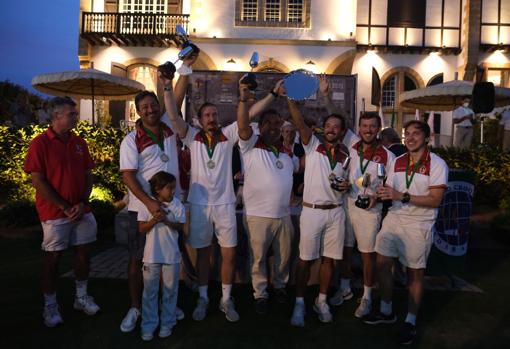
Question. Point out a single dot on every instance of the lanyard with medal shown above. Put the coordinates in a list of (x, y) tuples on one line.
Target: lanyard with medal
[(210, 144), (363, 167), (415, 167), (159, 142), (276, 153)]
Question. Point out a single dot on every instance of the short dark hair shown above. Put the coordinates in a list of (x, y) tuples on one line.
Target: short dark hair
[(142, 95), (420, 125), (57, 102), (267, 113), (389, 135), (336, 116), (159, 180), (370, 115), (203, 106)]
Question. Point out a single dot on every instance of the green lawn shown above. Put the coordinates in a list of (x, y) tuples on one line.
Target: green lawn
[(447, 319)]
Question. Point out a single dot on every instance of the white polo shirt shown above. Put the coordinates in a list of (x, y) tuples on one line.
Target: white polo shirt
[(211, 185), (432, 173), (371, 158), (139, 152), (459, 113), (267, 187), (161, 244), (317, 189)]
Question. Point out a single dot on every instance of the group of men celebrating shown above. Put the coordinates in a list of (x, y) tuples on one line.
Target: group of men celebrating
[(331, 221)]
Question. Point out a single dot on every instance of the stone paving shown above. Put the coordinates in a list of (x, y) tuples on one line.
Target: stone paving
[(112, 264)]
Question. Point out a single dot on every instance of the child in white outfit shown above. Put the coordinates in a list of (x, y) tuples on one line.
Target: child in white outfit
[(161, 257)]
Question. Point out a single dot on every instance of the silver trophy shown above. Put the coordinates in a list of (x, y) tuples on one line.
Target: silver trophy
[(381, 173), (187, 49), (334, 180), (363, 201), (250, 78)]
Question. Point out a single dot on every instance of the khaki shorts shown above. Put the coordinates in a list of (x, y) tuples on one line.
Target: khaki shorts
[(365, 225), (406, 238), (59, 234), (206, 220), (322, 233)]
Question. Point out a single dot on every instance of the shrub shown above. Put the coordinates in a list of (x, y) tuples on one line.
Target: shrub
[(19, 213)]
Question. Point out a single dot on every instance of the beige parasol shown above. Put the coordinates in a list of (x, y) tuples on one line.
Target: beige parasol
[(89, 84), (447, 96)]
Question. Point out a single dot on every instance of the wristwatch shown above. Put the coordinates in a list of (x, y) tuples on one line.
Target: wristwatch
[(406, 197)]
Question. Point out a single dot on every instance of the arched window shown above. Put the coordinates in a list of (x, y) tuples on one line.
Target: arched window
[(395, 82), (436, 80), (146, 74)]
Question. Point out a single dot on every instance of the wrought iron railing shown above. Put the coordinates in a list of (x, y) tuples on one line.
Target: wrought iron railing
[(131, 23)]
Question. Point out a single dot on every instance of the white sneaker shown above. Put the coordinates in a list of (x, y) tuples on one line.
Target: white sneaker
[(364, 308), (128, 324), (298, 315), (51, 315), (179, 314), (147, 336), (86, 304), (201, 309), (229, 309), (340, 296), (165, 331), (322, 310)]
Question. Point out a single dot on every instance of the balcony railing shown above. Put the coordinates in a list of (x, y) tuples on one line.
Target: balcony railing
[(102, 28)]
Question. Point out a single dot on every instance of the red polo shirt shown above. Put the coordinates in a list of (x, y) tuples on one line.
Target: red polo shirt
[(64, 164)]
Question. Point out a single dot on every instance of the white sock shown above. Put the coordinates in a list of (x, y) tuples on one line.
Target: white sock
[(411, 318), (386, 307), (345, 284), (322, 298), (300, 300), (202, 291), (225, 292), (81, 288), (367, 293), (50, 299)]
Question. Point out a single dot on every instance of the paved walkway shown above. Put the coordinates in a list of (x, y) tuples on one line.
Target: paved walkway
[(112, 264)]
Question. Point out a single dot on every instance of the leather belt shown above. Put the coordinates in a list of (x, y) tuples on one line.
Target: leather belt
[(321, 207)]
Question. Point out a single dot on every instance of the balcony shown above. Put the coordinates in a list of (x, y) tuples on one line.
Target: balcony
[(131, 29)]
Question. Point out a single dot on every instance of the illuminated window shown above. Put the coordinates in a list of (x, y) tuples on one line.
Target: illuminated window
[(249, 11), (272, 10), (388, 91), (295, 11), (147, 75)]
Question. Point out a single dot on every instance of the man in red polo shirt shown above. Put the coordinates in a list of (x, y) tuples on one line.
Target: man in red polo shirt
[(60, 165)]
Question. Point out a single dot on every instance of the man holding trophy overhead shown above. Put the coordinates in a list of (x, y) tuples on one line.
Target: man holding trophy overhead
[(367, 156), (322, 220)]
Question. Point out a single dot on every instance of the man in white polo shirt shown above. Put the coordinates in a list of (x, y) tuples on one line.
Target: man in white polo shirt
[(416, 183), (268, 170), (322, 221), (363, 209), (148, 149), (211, 196), (463, 118)]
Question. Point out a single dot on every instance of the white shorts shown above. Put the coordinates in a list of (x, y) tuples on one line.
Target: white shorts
[(365, 225), (206, 219), (322, 233), (59, 234), (407, 238)]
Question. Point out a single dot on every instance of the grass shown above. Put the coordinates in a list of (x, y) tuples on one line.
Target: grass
[(447, 319)]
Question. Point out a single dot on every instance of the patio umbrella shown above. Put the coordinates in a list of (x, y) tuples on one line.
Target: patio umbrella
[(89, 84), (447, 96)]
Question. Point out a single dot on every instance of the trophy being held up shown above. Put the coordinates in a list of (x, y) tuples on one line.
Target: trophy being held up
[(250, 78), (188, 50), (336, 183)]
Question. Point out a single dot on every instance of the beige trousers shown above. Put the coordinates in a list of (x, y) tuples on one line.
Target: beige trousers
[(463, 137), (265, 234)]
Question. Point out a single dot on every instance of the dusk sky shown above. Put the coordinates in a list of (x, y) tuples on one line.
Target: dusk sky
[(38, 36)]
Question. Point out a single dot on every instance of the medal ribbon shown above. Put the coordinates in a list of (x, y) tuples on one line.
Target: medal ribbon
[(415, 167), (331, 157), (210, 144), (156, 140), (274, 150), (362, 167)]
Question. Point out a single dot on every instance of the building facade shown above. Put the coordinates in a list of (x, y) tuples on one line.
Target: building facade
[(410, 44)]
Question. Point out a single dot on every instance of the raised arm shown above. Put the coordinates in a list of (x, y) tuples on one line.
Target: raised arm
[(305, 132), (177, 122), (328, 102), (182, 83), (243, 120), (261, 105)]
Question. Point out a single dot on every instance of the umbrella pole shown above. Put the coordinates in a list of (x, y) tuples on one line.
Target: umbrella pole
[(93, 104)]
